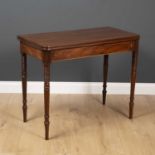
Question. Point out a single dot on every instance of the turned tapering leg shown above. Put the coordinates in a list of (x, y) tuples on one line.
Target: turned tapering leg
[(46, 97), (133, 79), (24, 84), (105, 75)]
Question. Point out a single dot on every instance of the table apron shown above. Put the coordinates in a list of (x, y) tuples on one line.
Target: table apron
[(31, 51), (80, 52)]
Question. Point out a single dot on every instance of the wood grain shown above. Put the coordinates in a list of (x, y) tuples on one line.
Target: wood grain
[(80, 126), (76, 38), (81, 52), (31, 51)]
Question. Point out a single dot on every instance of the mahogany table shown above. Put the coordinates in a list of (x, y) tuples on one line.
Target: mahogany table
[(55, 46)]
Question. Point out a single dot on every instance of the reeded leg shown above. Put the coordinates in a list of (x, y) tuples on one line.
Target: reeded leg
[(46, 97), (24, 84), (133, 80), (105, 75)]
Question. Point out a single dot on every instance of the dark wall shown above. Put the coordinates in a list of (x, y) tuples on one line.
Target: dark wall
[(32, 16)]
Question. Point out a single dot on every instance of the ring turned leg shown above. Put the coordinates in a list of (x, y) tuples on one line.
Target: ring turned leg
[(105, 75), (24, 85), (46, 97), (133, 80)]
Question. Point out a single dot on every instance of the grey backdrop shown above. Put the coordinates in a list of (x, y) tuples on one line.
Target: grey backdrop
[(32, 16)]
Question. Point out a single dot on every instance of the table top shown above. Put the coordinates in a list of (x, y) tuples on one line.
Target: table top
[(76, 38)]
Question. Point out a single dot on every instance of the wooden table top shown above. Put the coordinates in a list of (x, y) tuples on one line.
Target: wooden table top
[(76, 38)]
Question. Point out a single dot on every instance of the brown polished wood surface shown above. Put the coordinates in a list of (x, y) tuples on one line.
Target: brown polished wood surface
[(76, 38), (75, 44)]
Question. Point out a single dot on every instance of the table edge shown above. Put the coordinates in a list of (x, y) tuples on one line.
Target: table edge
[(49, 48)]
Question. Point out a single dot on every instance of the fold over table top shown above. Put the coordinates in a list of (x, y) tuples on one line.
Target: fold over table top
[(76, 38)]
